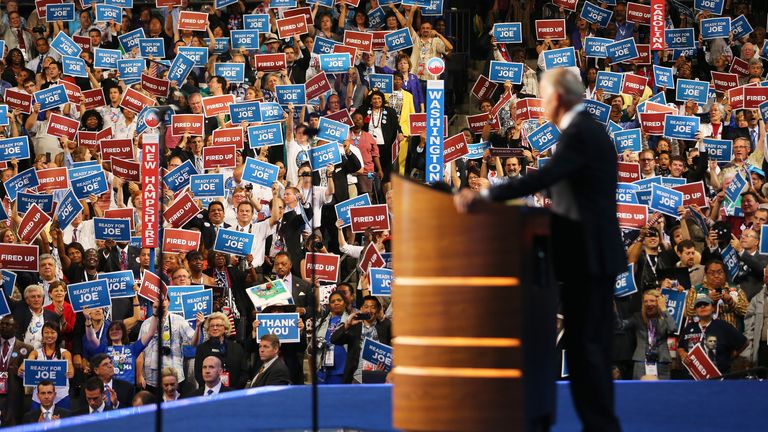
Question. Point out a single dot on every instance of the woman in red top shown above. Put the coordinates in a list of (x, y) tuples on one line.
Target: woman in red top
[(58, 291)]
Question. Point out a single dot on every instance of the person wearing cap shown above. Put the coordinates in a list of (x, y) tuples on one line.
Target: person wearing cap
[(271, 43), (729, 301), (730, 342)]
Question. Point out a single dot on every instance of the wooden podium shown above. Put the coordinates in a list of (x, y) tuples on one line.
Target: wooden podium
[(474, 314)]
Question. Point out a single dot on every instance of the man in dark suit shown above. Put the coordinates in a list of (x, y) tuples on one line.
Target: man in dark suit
[(118, 256), (292, 225), (212, 385), (231, 283), (102, 367), (351, 335), (30, 312), (209, 228), (587, 247), (301, 290), (48, 411), (273, 370), (95, 397), (13, 351)]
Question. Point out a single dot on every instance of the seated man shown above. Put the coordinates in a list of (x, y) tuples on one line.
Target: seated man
[(95, 397), (119, 392), (273, 370), (212, 385), (48, 411)]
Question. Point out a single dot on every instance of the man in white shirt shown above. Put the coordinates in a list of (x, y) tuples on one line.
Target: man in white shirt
[(212, 368), (260, 230), (48, 411), (80, 231)]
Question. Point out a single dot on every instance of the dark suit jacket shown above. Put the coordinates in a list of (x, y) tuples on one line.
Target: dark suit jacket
[(85, 410), (23, 316), (34, 415), (111, 263), (14, 411), (277, 374), (234, 361), (200, 390), (352, 338), (244, 305), (124, 392), (208, 233), (291, 228), (301, 291), (583, 172)]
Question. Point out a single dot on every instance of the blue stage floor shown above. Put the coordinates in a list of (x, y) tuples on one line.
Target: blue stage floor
[(673, 406)]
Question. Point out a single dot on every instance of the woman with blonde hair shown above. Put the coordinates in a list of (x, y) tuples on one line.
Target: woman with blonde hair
[(652, 325), (218, 328)]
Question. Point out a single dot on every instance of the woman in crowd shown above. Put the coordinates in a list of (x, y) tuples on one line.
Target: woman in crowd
[(652, 325), (52, 350), (331, 358), (233, 360), (117, 346)]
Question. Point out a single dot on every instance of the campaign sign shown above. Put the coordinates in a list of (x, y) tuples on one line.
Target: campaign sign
[(258, 22), (20, 257), (621, 51), (260, 173), (271, 112), (724, 81), (215, 105), (221, 156), (68, 209), (86, 169), (476, 150), (181, 210), (119, 284), (633, 216), (36, 371), (244, 112), (699, 365), (377, 354), (697, 91), (198, 54), (130, 69), (375, 217), (598, 110), (65, 45), (595, 14), (731, 259), (322, 156), (323, 267), (105, 58), (673, 181), (51, 179), (719, 150), (681, 127), (74, 66), (342, 208), (194, 124), (197, 302), (232, 72), (714, 6), (269, 293), (680, 38), (754, 96), (662, 76), (21, 181), (625, 283), (561, 57), (484, 88), (713, 28), (207, 185), (501, 71), (247, 39), (17, 147), (62, 126), (270, 62), (675, 302), (380, 281), (178, 178), (112, 229), (91, 294), (550, 29), (331, 130), (233, 242), (19, 100), (609, 82), (454, 147), (763, 107), (283, 325), (335, 62), (93, 98), (634, 84), (60, 12), (135, 100), (383, 82), (291, 94), (154, 47), (180, 68), (9, 280), (362, 41), (398, 40), (227, 137), (52, 97), (740, 27), (625, 193), (265, 135), (665, 200), (628, 139), (105, 13), (120, 148), (508, 32), (376, 18), (595, 46), (736, 187), (129, 41), (26, 199), (544, 137), (652, 123), (179, 240), (693, 193)]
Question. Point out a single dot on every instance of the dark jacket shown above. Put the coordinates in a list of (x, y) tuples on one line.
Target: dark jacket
[(233, 360), (276, 374), (124, 391), (14, 405), (352, 338), (34, 415), (201, 390), (23, 316)]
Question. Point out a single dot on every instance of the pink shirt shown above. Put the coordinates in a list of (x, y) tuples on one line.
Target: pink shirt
[(367, 146)]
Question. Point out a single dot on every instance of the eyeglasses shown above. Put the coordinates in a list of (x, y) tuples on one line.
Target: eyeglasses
[(646, 159)]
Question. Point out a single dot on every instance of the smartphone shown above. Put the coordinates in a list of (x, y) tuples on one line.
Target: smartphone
[(363, 316)]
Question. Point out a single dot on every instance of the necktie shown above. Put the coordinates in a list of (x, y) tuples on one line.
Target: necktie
[(40, 63), (108, 402), (6, 348), (209, 392), (20, 37), (123, 260), (754, 137), (47, 415), (261, 370), (74, 235)]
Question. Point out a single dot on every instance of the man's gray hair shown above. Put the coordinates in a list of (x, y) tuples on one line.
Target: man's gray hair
[(30, 288), (565, 83), (44, 257)]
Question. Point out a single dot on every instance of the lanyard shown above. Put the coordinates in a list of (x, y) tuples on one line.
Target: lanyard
[(650, 263), (651, 333)]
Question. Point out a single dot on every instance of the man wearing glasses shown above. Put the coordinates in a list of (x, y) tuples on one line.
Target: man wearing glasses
[(729, 303), (647, 164)]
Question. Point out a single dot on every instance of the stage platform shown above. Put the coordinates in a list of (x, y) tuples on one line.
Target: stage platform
[(642, 406)]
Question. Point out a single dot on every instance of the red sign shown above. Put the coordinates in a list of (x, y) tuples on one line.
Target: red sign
[(658, 23), (93, 98), (375, 217), (643, 54), (227, 137), (484, 88), (628, 172), (84, 42), (156, 86), (119, 148), (476, 122), (91, 139), (693, 193), (699, 365), (183, 123), (736, 98), (634, 84), (659, 108), (363, 41), (74, 94), (179, 240), (19, 257), (341, 116), (151, 286), (417, 123), (150, 180), (19, 100), (724, 81), (121, 213), (41, 4), (739, 67), (652, 123), (135, 101), (127, 170), (61, 126), (632, 216), (455, 147), (194, 21), (352, 51), (529, 108), (295, 25), (306, 11), (504, 100), (379, 39), (215, 105), (181, 211), (639, 13), (220, 156), (754, 96), (166, 3), (550, 29), (270, 62), (566, 4), (371, 258), (325, 267), (316, 86), (32, 223), (52, 179)]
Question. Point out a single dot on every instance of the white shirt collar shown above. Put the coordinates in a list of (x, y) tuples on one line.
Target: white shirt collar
[(99, 409), (216, 389), (268, 364), (43, 410), (568, 117)]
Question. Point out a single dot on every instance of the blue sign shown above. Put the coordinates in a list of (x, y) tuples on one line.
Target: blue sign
[(234, 242), (180, 68), (198, 54), (736, 187), (714, 6), (174, 296), (283, 325), (377, 354), (665, 200), (679, 38), (683, 52), (322, 156), (673, 181), (271, 112), (94, 184), (381, 281), (731, 261), (476, 150), (17, 147), (105, 58), (335, 62), (625, 193), (52, 97), (398, 40), (595, 46), (763, 107), (79, 171), (9, 280), (26, 199), (376, 18), (323, 45), (130, 40), (625, 283), (232, 72), (291, 93), (681, 127), (609, 82), (501, 72), (21, 181), (178, 178), (435, 8), (207, 185), (719, 150), (3, 115), (663, 76), (91, 294), (112, 229), (342, 208), (60, 12), (260, 173), (435, 132), (45, 370), (659, 98), (697, 91), (245, 111), (544, 137), (104, 13), (197, 302), (383, 82), (599, 110), (621, 51), (595, 14), (258, 22), (675, 302), (740, 27), (643, 196), (712, 28), (130, 68), (219, 4), (628, 139), (65, 45), (220, 45), (247, 39), (283, 3), (154, 47), (68, 209), (508, 32), (119, 283), (265, 135), (73, 66), (561, 57), (331, 130)]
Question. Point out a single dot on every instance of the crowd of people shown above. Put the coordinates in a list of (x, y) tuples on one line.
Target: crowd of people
[(111, 352)]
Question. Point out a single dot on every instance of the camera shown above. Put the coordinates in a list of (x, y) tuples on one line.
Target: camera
[(363, 316), (317, 245), (165, 350), (249, 186), (38, 29), (723, 232)]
